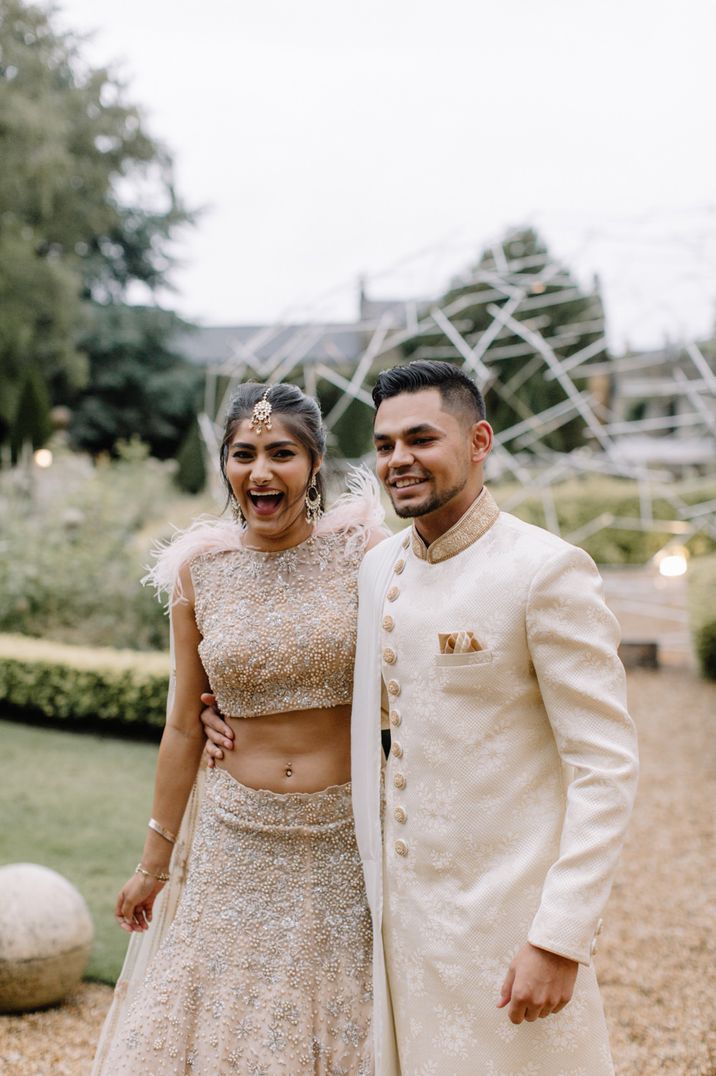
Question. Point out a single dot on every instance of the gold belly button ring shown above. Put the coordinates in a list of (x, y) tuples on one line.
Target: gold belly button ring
[(289, 769)]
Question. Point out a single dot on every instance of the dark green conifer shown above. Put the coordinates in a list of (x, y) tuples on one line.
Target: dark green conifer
[(191, 474), (32, 424)]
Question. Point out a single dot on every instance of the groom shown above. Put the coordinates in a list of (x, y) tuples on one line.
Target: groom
[(487, 645), (513, 763)]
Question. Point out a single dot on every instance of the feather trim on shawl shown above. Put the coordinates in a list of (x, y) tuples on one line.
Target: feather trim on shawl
[(357, 513)]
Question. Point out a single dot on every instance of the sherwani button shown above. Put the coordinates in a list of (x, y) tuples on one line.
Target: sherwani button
[(389, 656), (399, 780), (600, 927), (396, 750), (401, 848), (393, 687), (593, 947), (388, 623), (406, 541), (393, 594), (398, 566), (395, 718), (400, 814)]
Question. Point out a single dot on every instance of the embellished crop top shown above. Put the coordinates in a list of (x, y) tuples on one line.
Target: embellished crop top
[(278, 628)]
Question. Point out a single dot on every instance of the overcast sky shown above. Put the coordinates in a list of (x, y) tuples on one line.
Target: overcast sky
[(394, 138)]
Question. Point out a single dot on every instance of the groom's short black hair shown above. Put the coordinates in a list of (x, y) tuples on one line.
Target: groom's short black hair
[(459, 392)]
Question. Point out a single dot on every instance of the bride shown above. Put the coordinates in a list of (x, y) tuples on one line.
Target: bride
[(265, 965)]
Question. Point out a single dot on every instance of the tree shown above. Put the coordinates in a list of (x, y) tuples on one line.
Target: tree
[(352, 434), (87, 200), (139, 386), (553, 304), (191, 473)]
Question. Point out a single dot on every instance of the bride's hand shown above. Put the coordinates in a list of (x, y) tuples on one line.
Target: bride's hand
[(133, 910)]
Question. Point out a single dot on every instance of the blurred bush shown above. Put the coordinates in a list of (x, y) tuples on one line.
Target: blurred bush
[(71, 683), (702, 612), (580, 501), (74, 541)]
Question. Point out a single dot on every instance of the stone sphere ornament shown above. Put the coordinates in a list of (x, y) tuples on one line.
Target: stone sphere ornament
[(46, 934)]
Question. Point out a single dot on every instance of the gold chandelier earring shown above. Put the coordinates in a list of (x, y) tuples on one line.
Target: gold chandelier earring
[(236, 511), (313, 502)]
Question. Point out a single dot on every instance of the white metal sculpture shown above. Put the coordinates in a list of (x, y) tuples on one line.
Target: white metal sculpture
[(515, 292)]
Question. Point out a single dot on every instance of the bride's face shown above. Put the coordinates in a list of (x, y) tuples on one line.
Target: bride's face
[(269, 473)]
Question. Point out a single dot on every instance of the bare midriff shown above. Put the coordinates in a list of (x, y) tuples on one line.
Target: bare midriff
[(300, 751)]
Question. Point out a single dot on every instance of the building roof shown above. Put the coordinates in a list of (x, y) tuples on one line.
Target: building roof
[(261, 346)]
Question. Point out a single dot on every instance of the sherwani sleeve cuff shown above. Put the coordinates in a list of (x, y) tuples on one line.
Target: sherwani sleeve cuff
[(581, 949)]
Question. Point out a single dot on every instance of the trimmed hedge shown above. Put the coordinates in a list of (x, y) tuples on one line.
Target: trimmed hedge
[(702, 612), (111, 688)]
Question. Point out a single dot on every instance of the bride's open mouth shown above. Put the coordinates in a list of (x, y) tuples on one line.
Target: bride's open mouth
[(265, 504)]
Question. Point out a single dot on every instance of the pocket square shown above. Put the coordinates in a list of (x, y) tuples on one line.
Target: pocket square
[(458, 642)]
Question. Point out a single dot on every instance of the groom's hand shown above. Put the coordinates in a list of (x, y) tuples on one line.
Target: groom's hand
[(538, 983), (219, 735)]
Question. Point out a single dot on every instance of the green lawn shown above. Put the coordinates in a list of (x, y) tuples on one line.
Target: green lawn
[(77, 803)]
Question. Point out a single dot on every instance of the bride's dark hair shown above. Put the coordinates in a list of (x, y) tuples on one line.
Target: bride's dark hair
[(301, 414)]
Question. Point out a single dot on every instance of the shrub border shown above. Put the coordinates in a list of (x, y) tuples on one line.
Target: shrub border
[(118, 690)]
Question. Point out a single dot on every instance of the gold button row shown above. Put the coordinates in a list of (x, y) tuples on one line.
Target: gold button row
[(399, 566), (400, 815), (395, 718), (389, 656), (396, 749), (401, 848), (388, 623), (393, 688), (393, 593), (399, 780)]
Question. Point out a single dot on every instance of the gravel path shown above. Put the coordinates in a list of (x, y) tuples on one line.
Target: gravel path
[(57, 1042), (657, 963)]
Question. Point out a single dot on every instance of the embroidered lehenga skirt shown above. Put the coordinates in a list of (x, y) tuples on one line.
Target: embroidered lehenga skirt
[(266, 967)]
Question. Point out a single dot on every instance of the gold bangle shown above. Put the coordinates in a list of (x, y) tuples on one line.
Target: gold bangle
[(165, 833), (161, 877)]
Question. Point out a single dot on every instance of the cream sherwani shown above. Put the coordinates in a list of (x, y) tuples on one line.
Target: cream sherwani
[(507, 793)]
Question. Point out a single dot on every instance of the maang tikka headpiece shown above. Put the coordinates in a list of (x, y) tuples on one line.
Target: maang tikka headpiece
[(261, 414)]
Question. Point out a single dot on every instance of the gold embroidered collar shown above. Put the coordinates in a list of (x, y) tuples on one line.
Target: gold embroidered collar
[(477, 521)]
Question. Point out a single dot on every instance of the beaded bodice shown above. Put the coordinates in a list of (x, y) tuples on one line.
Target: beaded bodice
[(278, 629)]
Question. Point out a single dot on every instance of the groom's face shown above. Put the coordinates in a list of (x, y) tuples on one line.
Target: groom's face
[(424, 453)]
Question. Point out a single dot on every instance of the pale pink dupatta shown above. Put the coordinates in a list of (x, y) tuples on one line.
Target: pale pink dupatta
[(142, 947)]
